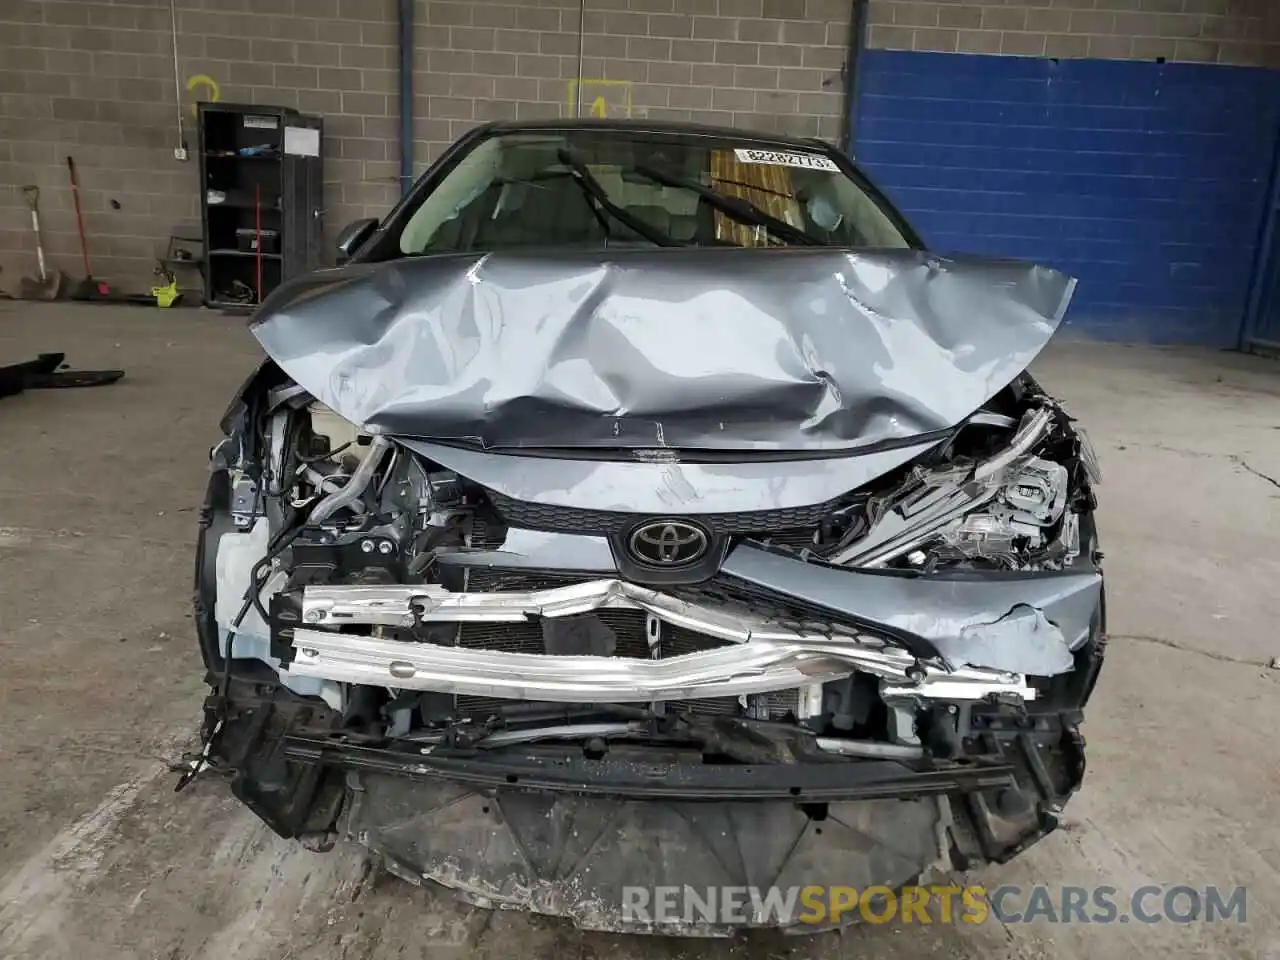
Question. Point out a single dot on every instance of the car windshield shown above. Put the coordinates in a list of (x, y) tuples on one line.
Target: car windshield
[(606, 188)]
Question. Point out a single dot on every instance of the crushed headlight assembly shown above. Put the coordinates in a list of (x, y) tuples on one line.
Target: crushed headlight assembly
[(1018, 508), (931, 501)]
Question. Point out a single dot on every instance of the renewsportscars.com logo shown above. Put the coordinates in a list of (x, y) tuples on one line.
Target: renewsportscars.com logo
[(823, 905)]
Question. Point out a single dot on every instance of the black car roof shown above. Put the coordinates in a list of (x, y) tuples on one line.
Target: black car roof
[(660, 126)]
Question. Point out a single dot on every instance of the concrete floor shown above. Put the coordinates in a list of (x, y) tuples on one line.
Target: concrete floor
[(100, 681)]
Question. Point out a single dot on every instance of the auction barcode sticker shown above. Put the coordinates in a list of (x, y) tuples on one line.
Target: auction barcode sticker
[(782, 158)]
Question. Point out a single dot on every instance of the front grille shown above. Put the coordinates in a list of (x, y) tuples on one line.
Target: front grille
[(730, 592), (776, 705), (627, 627), (495, 579), (709, 707), (541, 516)]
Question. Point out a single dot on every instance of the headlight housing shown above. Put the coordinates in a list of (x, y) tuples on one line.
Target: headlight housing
[(1011, 508)]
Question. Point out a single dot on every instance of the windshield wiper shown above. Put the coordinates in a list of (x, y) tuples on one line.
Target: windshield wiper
[(744, 211), (591, 187), (757, 187)]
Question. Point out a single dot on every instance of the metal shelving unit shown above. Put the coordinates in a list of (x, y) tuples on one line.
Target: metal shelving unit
[(261, 181)]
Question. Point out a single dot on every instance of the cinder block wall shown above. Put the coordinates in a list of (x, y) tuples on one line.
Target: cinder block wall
[(1241, 32), (96, 80)]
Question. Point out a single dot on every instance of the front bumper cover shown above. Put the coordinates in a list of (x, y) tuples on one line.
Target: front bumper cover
[(575, 857), (543, 832), (542, 828)]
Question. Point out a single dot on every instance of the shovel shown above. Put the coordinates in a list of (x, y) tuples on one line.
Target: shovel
[(88, 288), (48, 286)]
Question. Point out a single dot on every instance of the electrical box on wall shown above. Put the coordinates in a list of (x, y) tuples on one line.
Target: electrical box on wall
[(262, 182)]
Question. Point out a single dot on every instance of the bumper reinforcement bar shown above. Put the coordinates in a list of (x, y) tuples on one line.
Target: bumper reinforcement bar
[(632, 780), (759, 666)]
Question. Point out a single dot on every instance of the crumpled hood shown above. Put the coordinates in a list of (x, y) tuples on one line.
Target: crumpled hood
[(716, 349)]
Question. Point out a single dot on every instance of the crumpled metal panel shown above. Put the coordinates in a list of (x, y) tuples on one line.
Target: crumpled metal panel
[(797, 349), (1023, 641), (1027, 624)]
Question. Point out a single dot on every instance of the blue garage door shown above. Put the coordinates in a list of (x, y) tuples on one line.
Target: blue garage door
[(1150, 182), (1262, 326)]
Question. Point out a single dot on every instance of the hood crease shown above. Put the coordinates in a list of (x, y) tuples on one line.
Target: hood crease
[(710, 349)]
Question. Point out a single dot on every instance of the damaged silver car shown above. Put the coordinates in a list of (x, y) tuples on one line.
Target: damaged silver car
[(641, 506)]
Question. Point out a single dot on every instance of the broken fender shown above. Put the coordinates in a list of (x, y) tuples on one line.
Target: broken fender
[(977, 620)]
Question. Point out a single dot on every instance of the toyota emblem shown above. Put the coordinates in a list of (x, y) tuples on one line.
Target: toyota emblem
[(668, 543)]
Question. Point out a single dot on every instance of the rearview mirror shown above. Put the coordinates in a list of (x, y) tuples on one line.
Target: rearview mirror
[(352, 236)]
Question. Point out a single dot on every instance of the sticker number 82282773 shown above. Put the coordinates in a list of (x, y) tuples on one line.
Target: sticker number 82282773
[(809, 161)]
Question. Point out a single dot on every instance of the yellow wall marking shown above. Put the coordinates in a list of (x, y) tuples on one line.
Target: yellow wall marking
[(206, 81), (606, 98)]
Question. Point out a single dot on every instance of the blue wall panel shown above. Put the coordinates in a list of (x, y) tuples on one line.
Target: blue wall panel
[(1147, 181)]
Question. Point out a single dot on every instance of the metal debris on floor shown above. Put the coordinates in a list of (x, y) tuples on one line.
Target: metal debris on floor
[(44, 373)]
